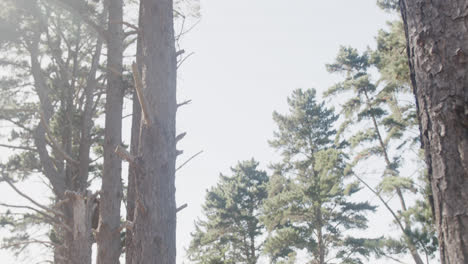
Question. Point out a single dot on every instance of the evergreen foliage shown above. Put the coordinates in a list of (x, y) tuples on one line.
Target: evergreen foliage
[(50, 90), (231, 231), (309, 206), (387, 112)]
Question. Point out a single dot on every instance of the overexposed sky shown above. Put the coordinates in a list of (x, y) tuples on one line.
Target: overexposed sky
[(249, 56)]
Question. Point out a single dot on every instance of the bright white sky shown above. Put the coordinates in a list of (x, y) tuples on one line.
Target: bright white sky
[(249, 56)]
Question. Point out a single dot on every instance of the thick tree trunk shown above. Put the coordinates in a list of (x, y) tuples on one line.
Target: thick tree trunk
[(155, 217), (108, 235), (437, 35), (82, 207)]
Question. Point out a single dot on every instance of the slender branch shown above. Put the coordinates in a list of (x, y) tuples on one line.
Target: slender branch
[(184, 59), (18, 147), (187, 161), (33, 241), (32, 209), (410, 245), (184, 103), (7, 180)]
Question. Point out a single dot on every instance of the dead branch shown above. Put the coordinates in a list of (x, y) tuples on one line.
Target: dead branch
[(139, 91), (187, 161), (180, 136), (180, 52), (184, 59), (180, 208), (184, 103)]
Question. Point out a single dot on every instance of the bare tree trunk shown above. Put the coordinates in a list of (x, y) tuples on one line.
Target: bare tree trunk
[(82, 207), (108, 235), (437, 36), (154, 239), (135, 138)]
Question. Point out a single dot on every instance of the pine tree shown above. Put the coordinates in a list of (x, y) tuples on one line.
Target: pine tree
[(391, 61), (230, 233), (308, 205), (51, 96), (386, 122)]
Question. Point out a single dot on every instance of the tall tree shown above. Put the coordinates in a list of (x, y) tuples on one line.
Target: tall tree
[(308, 203), (154, 222), (108, 233), (392, 63), (377, 109), (437, 41), (134, 141), (57, 83), (232, 229)]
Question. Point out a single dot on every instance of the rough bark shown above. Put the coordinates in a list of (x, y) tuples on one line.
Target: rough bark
[(135, 138), (82, 207), (155, 213), (437, 39), (108, 235)]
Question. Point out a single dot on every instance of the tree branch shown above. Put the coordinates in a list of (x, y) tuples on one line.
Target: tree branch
[(184, 103), (187, 161), (18, 147), (45, 208), (180, 208)]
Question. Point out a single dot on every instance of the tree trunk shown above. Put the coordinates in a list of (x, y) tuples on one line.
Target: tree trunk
[(135, 137), (108, 235), (82, 207), (154, 237), (437, 39)]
